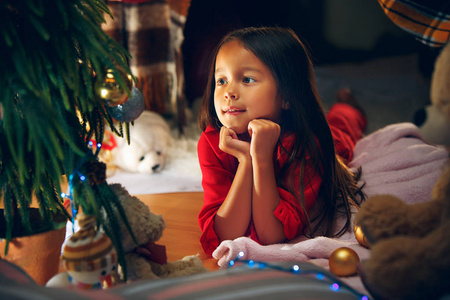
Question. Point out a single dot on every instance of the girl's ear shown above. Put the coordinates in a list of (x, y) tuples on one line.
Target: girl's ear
[(285, 105)]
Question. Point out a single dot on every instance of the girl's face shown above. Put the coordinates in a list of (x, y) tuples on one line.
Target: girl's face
[(245, 88)]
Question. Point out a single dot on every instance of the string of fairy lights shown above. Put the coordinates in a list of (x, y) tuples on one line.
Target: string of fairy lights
[(77, 174), (295, 269)]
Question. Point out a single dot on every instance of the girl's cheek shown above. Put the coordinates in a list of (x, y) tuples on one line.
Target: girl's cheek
[(216, 95)]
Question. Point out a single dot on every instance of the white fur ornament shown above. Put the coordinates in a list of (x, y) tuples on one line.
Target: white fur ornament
[(150, 139)]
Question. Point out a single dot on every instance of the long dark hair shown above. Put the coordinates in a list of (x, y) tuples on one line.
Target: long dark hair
[(286, 56)]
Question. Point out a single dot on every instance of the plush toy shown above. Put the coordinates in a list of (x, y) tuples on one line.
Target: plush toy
[(147, 260), (410, 244), (88, 257), (150, 139)]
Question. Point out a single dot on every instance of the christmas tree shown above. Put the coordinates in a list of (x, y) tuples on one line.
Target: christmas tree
[(54, 53)]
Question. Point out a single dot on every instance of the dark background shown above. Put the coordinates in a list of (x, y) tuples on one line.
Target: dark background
[(336, 31)]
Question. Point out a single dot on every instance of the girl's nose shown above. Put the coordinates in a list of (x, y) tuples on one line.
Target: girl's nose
[(231, 94)]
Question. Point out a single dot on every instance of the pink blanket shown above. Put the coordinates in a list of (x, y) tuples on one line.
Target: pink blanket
[(394, 160)]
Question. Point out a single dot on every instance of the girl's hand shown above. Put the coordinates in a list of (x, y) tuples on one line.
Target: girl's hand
[(230, 143), (264, 136)]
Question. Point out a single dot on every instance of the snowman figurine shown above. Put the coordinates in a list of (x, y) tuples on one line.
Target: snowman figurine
[(88, 257)]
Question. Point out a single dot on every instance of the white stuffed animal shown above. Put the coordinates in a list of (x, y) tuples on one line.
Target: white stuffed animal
[(150, 139)]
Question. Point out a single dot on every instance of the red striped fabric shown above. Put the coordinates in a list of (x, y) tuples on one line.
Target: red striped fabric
[(428, 21)]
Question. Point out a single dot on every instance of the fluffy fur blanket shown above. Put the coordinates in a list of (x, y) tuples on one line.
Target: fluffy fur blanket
[(394, 160)]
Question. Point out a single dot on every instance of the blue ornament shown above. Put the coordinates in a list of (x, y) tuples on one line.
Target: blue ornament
[(131, 109)]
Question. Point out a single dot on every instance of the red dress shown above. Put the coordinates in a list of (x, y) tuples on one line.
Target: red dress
[(218, 170)]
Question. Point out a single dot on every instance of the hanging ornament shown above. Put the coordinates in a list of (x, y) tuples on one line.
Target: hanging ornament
[(344, 262), (359, 235), (88, 256), (110, 90), (129, 110)]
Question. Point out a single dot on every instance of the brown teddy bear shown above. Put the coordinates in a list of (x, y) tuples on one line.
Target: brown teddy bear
[(147, 260), (410, 244)]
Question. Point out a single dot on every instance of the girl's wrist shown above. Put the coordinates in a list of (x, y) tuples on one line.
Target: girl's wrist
[(245, 160), (262, 163)]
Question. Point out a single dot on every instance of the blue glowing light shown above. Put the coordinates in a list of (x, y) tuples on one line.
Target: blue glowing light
[(99, 145), (335, 287), (296, 270), (82, 178), (90, 143)]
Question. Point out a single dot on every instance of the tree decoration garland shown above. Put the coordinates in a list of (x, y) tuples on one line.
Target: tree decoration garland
[(335, 285), (92, 179)]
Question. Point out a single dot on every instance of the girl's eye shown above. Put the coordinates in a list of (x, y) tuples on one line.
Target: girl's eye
[(220, 81), (248, 80)]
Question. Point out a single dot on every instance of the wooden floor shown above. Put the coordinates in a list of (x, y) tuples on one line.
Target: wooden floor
[(181, 237)]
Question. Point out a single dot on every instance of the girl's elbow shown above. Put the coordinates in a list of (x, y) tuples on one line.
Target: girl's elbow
[(271, 240)]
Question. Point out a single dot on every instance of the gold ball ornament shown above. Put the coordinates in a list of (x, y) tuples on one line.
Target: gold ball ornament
[(360, 237), (110, 90), (344, 261)]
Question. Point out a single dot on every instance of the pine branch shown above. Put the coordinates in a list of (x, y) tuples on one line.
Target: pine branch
[(53, 51)]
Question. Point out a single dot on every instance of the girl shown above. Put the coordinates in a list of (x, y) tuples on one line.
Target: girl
[(267, 151)]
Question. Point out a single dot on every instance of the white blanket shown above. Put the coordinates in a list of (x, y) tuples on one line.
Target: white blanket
[(394, 160)]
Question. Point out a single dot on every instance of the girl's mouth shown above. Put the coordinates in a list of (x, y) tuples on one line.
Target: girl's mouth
[(232, 110)]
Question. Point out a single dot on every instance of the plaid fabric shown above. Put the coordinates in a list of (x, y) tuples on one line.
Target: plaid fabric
[(427, 20), (152, 33)]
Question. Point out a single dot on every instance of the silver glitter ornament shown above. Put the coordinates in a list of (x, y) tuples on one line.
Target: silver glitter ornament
[(131, 109)]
